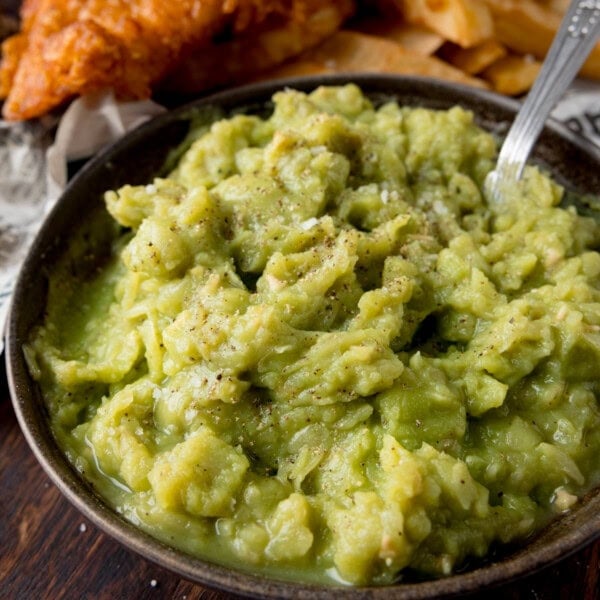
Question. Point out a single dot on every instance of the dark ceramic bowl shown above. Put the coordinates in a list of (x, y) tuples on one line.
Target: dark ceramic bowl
[(139, 156)]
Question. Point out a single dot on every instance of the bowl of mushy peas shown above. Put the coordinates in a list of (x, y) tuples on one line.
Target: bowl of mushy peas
[(278, 341)]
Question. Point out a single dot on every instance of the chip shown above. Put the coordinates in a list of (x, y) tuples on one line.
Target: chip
[(351, 52)]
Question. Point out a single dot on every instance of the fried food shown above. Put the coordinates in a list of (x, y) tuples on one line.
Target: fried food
[(501, 41), (350, 52), (258, 49), (70, 47), (464, 22), (512, 75), (415, 38), (528, 27), (474, 60)]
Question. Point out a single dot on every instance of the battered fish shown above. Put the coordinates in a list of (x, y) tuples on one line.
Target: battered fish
[(71, 47), (257, 50)]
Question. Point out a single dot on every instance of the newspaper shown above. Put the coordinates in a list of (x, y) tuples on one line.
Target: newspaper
[(34, 158)]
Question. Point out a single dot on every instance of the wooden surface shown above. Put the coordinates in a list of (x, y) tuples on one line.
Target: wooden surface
[(48, 550)]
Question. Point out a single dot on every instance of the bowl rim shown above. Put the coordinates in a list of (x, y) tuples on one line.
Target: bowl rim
[(204, 572)]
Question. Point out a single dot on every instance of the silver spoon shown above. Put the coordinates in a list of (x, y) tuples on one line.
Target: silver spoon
[(574, 41)]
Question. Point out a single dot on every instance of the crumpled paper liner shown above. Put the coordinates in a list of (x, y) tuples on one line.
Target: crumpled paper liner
[(33, 170), (33, 163)]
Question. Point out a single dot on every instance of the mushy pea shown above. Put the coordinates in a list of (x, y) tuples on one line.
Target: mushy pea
[(315, 352)]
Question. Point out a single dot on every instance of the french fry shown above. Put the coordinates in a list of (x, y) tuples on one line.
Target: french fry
[(512, 75), (528, 27), (349, 52), (476, 59), (464, 22), (414, 38)]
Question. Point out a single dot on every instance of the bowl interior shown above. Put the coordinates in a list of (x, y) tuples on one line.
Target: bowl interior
[(136, 159)]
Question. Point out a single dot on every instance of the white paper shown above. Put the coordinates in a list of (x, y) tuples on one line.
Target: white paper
[(22, 199), (33, 170)]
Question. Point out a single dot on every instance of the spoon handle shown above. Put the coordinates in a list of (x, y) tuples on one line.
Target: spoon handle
[(571, 46)]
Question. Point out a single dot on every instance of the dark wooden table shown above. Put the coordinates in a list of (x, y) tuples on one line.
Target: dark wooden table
[(48, 550)]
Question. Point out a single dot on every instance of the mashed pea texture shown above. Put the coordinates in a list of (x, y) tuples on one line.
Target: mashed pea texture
[(316, 352)]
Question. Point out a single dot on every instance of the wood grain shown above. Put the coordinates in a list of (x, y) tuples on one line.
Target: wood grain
[(48, 550)]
